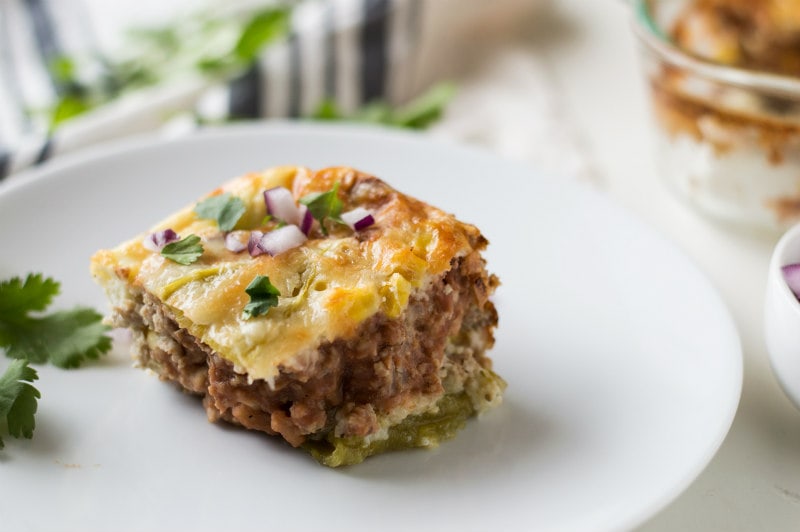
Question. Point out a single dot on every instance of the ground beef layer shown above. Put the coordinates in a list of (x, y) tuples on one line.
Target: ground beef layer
[(357, 387)]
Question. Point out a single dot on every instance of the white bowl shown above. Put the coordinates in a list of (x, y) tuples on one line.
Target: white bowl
[(782, 317)]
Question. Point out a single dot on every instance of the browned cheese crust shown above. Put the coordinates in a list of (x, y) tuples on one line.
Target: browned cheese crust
[(388, 363), (386, 368)]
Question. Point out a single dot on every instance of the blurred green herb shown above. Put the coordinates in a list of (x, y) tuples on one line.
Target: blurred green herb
[(214, 47), (204, 44), (416, 114), (262, 29)]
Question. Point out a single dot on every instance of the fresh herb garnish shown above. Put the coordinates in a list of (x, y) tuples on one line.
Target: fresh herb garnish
[(64, 338), (324, 205), (263, 28), (225, 209), (185, 251), (207, 42), (18, 400), (419, 113), (263, 296)]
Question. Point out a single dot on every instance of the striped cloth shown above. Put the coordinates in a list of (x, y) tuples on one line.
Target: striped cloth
[(348, 51)]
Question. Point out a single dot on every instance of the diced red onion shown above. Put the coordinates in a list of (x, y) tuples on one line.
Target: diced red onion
[(236, 241), (306, 219), (282, 239), (156, 241), (791, 273), (358, 218), (280, 204), (252, 244)]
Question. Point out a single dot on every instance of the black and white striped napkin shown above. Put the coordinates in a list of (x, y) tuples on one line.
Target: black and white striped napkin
[(350, 51), (347, 51)]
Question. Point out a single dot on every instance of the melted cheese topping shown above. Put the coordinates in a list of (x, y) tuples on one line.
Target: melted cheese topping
[(328, 286)]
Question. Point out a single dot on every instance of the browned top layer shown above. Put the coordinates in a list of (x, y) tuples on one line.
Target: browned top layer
[(328, 286)]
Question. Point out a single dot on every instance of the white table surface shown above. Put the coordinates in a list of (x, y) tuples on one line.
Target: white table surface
[(753, 483)]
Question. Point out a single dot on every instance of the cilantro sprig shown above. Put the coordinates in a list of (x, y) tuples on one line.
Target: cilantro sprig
[(64, 338), (226, 209), (263, 296), (212, 44), (324, 205), (419, 113), (185, 251), (18, 400)]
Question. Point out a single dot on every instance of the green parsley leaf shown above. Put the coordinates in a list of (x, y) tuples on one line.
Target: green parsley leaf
[(63, 69), (263, 296), (263, 28), (419, 113), (185, 251), (324, 205), (67, 107), (426, 108), (375, 112), (225, 209), (64, 338), (18, 298), (327, 109), (18, 399)]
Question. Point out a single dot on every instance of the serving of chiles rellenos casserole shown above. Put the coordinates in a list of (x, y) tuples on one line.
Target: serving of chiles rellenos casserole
[(325, 307)]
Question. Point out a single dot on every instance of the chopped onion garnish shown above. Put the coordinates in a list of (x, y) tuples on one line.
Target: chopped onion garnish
[(280, 204), (156, 241), (791, 273), (282, 239), (306, 219), (237, 241), (252, 244), (358, 218)]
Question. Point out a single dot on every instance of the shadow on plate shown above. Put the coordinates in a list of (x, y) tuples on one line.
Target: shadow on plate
[(490, 445)]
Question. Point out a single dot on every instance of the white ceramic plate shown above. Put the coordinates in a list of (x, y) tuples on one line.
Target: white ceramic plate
[(623, 366)]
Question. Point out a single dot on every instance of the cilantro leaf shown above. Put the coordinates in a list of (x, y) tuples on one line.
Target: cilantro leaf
[(67, 107), (18, 399), (419, 113), (327, 109), (263, 28), (225, 209), (263, 296), (64, 338), (18, 298), (185, 251), (426, 108), (324, 205)]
